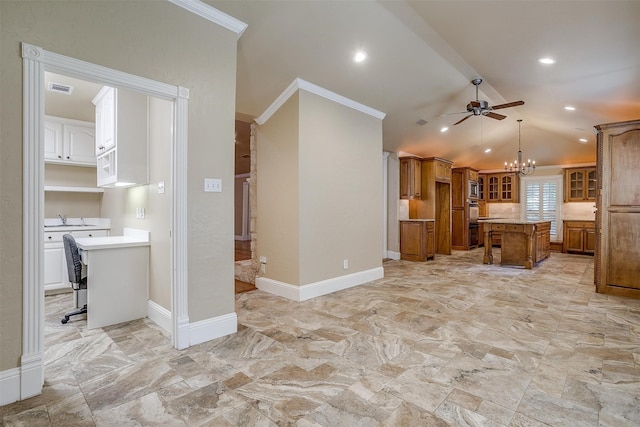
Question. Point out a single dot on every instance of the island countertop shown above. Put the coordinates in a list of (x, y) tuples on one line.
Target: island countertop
[(417, 220), (510, 221)]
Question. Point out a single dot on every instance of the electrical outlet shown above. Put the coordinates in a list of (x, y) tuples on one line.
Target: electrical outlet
[(263, 268), (345, 264), (212, 185), (263, 259)]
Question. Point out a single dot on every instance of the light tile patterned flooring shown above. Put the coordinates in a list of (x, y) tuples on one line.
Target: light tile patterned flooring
[(448, 342)]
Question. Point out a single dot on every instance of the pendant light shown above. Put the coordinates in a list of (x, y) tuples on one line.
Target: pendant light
[(518, 167)]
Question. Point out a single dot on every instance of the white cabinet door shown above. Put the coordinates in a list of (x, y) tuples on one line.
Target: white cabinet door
[(79, 143), (52, 140), (54, 267), (105, 103)]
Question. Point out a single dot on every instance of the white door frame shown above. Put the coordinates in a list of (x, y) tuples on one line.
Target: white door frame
[(35, 62)]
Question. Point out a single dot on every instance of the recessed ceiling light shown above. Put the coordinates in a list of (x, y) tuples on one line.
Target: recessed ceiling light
[(547, 61), (488, 150), (444, 129), (583, 140), (570, 108), (360, 56)]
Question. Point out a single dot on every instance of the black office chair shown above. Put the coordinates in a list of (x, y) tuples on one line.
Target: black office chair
[(74, 267)]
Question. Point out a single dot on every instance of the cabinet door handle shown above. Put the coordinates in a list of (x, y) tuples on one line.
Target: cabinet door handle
[(90, 235), (68, 157), (59, 157)]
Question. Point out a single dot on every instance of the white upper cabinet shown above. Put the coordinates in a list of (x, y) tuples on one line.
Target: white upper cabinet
[(122, 141), (69, 141)]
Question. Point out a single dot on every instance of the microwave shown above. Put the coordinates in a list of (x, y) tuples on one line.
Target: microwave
[(473, 189)]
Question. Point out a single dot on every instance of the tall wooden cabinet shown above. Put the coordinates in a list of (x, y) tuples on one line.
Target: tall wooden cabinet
[(436, 201), (462, 237), (617, 258)]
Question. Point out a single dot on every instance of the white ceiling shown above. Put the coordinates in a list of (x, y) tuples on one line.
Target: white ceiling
[(422, 56)]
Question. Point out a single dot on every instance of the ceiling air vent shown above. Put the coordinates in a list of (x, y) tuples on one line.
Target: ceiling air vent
[(60, 88), (421, 122)]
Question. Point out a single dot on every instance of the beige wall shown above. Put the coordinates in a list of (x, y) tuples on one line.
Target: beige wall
[(157, 40), (278, 217), (319, 191), (73, 205), (340, 189)]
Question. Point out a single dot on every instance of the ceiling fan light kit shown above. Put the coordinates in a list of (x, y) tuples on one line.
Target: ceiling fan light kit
[(482, 108), (518, 167)]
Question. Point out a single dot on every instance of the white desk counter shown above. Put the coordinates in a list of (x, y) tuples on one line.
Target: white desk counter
[(117, 277)]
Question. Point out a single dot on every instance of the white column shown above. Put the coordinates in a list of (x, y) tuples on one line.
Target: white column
[(385, 201)]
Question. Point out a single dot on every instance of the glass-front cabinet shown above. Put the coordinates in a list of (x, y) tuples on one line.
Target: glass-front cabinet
[(502, 187), (580, 184)]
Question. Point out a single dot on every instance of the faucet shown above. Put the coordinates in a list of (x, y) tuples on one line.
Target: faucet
[(63, 219)]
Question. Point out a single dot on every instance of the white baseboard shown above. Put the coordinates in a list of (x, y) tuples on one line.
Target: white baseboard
[(23, 382), (393, 255), (160, 315), (215, 327), (9, 386), (323, 287)]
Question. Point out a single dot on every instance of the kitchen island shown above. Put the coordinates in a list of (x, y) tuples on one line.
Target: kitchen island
[(524, 243)]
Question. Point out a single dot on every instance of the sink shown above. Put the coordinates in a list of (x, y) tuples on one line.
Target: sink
[(69, 225)]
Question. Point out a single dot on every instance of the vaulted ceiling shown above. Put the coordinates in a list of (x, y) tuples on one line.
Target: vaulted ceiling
[(422, 56)]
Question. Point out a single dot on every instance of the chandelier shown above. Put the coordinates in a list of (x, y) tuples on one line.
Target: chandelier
[(519, 167)]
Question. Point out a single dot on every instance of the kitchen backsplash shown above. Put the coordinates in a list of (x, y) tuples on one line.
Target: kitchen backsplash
[(580, 211)]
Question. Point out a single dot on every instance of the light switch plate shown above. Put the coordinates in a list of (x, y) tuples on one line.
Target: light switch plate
[(212, 185)]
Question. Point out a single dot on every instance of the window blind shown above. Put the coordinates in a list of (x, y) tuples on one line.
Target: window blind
[(542, 203)]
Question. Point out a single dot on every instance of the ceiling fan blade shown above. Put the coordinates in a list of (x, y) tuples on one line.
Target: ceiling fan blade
[(507, 105), (495, 115), (462, 120), (453, 114)]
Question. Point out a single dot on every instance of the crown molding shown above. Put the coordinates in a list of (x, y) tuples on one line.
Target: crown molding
[(212, 14), (299, 84)]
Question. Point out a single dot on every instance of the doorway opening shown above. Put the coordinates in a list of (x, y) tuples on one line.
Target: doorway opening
[(37, 61)]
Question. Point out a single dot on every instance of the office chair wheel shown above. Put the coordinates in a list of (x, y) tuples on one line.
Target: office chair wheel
[(64, 320)]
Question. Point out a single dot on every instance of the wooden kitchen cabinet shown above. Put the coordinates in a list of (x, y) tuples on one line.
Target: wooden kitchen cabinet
[(417, 240), (410, 178), (482, 179), (442, 169), (617, 257), (502, 187), (579, 237), (580, 185)]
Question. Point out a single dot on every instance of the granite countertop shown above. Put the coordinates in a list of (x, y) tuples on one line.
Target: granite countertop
[(418, 220), (578, 219), (511, 221)]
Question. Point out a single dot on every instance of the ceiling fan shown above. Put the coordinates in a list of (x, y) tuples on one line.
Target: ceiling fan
[(480, 107)]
